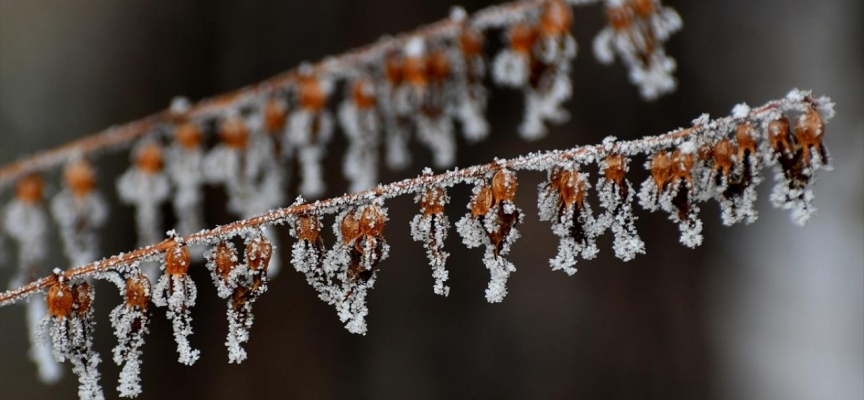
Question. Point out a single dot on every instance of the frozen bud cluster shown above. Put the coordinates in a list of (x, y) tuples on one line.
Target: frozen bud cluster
[(636, 33), (176, 291), (130, 321), (562, 200), (616, 198), (491, 223), (538, 62), (430, 228), (70, 324)]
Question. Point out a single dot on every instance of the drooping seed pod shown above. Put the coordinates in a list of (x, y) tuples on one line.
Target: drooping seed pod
[(469, 87), (222, 261), (130, 321), (25, 221), (430, 228), (309, 129), (361, 122), (184, 164), (679, 197), (354, 260), (146, 187), (561, 200), (736, 174), (492, 223), (308, 255), (635, 33), (616, 198), (275, 116), (177, 291), (70, 323)]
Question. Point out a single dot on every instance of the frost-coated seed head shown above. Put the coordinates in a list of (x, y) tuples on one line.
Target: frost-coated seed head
[(556, 19), (432, 201), (137, 291), (661, 168), (275, 115), (177, 260), (571, 188), (149, 158), (29, 189), (471, 42), (778, 131), (258, 253), (414, 70), (234, 133), (225, 258), (504, 185), (746, 141), (643, 8), (437, 65), (621, 18), (363, 93), (187, 135), (723, 152), (82, 297), (522, 38), (79, 178), (312, 96), (308, 228), (393, 70), (482, 202), (59, 299), (614, 170), (682, 165), (809, 131), (372, 221), (350, 228)]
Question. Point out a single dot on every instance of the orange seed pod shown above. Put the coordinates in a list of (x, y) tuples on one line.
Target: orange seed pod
[(275, 115), (744, 135), (177, 260), (432, 202), (258, 253), (350, 228), (372, 221), (59, 300), (81, 297), (363, 93), (778, 132), (504, 185), (614, 170), (471, 42), (556, 19), (482, 202), (137, 291), (225, 259), (233, 132), (723, 152), (312, 95), (522, 37), (187, 135), (660, 168), (80, 178), (308, 228), (149, 158)]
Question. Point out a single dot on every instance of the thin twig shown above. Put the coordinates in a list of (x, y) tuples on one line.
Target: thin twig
[(343, 65), (538, 162)]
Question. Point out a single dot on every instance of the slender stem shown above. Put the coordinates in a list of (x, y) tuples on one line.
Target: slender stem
[(346, 64), (538, 161)]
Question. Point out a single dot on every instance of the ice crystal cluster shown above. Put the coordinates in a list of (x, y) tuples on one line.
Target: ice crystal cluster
[(428, 85)]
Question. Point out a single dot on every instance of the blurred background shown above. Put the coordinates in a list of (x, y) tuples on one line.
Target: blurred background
[(767, 311)]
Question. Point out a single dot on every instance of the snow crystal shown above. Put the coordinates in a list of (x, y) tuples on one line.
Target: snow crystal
[(740, 111)]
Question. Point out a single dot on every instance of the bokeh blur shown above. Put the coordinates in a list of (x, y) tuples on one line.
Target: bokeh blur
[(768, 311)]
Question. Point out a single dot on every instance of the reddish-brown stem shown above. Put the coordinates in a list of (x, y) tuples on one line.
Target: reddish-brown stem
[(539, 161), (338, 66)]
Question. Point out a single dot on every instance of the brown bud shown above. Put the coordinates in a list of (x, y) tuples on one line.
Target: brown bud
[(149, 158), (778, 132), (258, 253), (393, 70), (372, 221), (363, 93), (556, 19), (620, 18), (187, 135), (660, 169), (312, 95), (82, 297), (682, 165), (482, 202), (233, 133), (29, 189), (522, 37), (437, 65), (137, 291), (723, 152), (643, 8), (59, 300), (432, 202), (571, 188), (809, 131), (504, 185), (614, 170), (177, 260), (80, 178), (414, 71), (308, 228), (744, 135), (471, 42), (275, 114), (350, 228), (225, 259)]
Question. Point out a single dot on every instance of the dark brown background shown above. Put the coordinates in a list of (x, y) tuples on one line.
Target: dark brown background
[(767, 311)]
